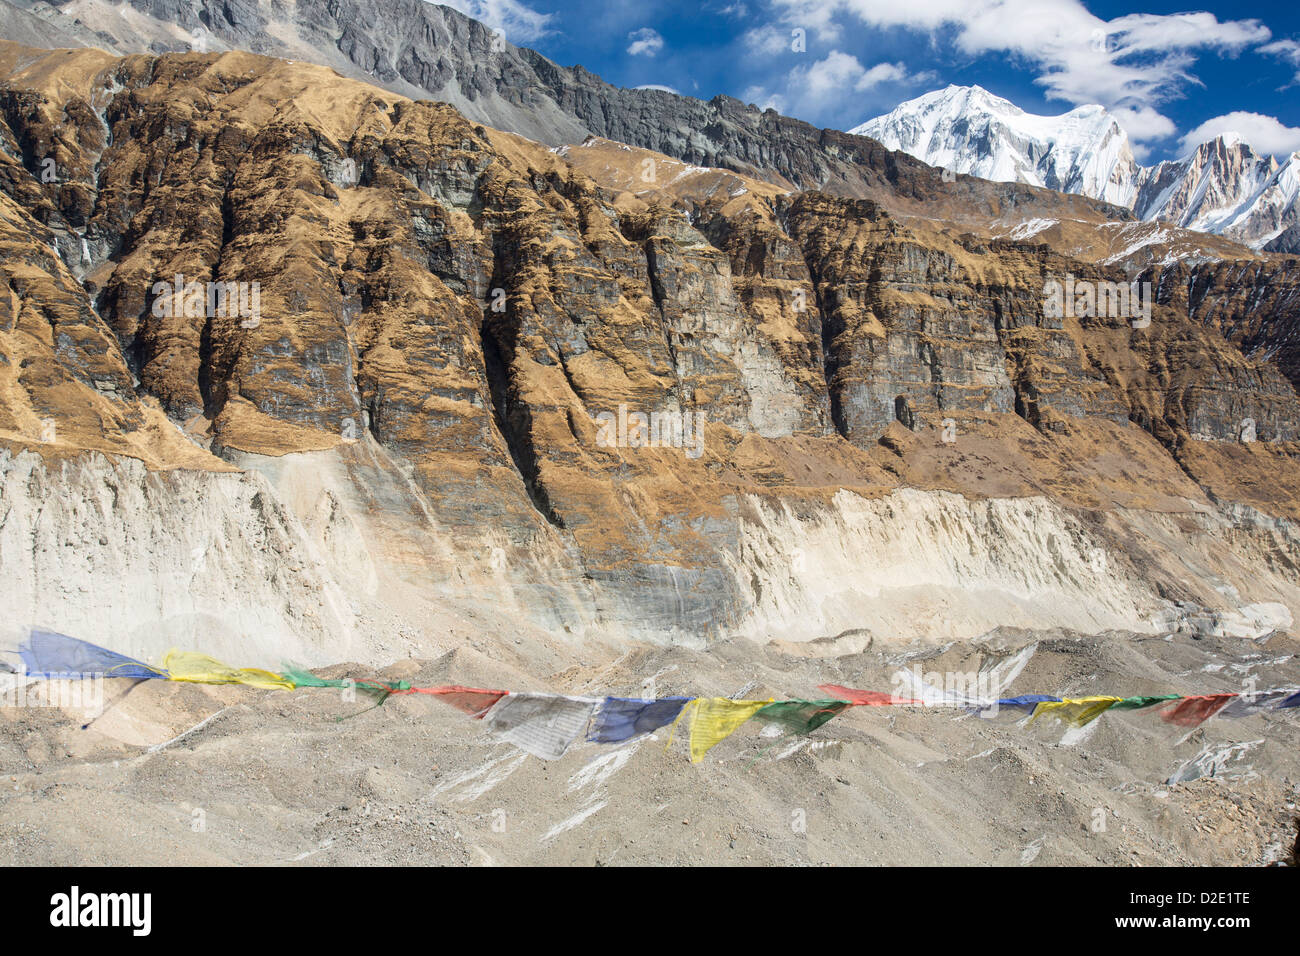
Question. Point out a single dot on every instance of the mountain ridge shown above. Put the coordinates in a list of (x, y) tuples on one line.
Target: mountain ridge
[(1222, 187), (450, 57)]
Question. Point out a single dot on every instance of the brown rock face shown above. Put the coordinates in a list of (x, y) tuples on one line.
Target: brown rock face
[(1253, 304), (931, 324), (280, 260)]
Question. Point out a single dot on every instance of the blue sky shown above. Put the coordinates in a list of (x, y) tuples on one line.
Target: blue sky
[(1174, 74)]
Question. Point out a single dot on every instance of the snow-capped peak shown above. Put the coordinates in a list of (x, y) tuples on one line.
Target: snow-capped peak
[(1223, 186), (969, 130)]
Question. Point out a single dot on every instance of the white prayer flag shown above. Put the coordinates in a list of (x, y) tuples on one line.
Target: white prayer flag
[(543, 725)]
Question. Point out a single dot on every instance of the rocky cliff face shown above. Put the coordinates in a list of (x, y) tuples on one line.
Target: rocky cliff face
[(1255, 305), (526, 381)]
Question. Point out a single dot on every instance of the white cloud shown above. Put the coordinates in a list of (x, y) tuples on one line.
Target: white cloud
[(645, 42), (764, 99), (1266, 134), (1145, 126), (1132, 63), (657, 86), (1142, 123), (828, 77), (880, 73), (518, 22), (1288, 50), (767, 40), (827, 85)]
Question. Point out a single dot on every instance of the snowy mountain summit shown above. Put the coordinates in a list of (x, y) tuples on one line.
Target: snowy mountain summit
[(1223, 187), (969, 130)]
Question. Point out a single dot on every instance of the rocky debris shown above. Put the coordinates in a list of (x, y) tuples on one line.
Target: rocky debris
[(273, 777)]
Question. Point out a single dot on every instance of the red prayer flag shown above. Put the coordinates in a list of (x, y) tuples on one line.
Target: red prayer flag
[(474, 701), (1191, 711), (864, 698)]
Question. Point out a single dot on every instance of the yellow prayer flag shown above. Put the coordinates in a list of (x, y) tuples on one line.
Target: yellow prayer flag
[(714, 719), (1077, 711), (201, 669)]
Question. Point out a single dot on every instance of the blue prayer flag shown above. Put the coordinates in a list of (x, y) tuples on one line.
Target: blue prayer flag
[(622, 718), (46, 654)]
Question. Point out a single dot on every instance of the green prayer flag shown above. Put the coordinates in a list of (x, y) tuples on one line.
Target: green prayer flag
[(379, 690), (1137, 703), (801, 716)]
